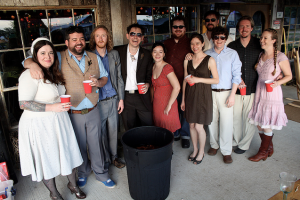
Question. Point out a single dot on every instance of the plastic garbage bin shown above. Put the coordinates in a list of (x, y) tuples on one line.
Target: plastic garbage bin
[(148, 171)]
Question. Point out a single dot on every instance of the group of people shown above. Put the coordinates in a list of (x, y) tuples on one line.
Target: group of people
[(188, 84)]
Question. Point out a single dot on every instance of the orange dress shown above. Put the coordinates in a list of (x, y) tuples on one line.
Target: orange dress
[(162, 93)]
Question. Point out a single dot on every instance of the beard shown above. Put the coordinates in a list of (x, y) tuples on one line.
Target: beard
[(179, 36), (245, 36), (101, 44), (77, 52), (210, 27)]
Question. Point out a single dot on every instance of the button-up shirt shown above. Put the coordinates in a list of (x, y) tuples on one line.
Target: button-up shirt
[(107, 90), (176, 53), (131, 83), (249, 57), (208, 44), (228, 66), (85, 103)]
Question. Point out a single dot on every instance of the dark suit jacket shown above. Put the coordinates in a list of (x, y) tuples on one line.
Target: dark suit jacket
[(143, 71), (115, 73)]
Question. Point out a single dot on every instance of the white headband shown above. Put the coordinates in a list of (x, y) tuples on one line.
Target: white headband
[(35, 41)]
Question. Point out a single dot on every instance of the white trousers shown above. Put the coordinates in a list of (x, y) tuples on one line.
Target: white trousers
[(243, 131), (223, 121)]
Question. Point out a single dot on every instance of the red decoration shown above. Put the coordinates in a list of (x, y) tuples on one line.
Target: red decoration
[(22, 19), (13, 17), (141, 8), (75, 13), (88, 13), (41, 14), (153, 8)]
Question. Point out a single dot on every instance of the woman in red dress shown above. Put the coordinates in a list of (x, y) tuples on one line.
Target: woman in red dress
[(165, 91)]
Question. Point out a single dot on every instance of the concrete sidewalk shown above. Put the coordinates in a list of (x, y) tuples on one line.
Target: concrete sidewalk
[(212, 179)]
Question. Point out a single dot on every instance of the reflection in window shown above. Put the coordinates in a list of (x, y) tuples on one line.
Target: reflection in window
[(9, 30), (11, 67), (85, 19), (259, 24), (232, 21), (33, 25), (144, 18), (161, 20), (292, 27)]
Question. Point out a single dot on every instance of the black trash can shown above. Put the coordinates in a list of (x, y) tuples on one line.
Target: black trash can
[(148, 171)]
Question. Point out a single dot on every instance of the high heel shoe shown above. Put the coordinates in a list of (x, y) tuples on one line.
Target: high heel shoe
[(78, 192), (197, 162), (55, 197)]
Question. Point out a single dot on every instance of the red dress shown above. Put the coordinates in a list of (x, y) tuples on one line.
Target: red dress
[(162, 93)]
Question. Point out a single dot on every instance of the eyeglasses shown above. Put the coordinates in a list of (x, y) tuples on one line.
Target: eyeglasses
[(212, 20), (216, 37), (176, 27), (132, 34)]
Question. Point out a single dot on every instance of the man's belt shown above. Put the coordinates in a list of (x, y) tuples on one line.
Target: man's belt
[(83, 111), (220, 90), (132, 91), (108, 98)]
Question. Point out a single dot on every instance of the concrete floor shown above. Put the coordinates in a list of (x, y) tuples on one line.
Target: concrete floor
[(212, 179)]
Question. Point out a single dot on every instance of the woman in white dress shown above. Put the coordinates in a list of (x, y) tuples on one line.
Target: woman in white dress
[(47, 142)]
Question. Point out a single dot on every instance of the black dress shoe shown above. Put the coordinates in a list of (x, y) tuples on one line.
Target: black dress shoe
[(177, 138), (239, 151), (185, 143)]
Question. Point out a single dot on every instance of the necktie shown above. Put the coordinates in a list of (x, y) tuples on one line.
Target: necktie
[(132, 58)]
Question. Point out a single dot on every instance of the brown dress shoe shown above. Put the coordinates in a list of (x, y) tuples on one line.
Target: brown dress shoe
[(78, 192), (212, 151), (227, 159), (118, 163)]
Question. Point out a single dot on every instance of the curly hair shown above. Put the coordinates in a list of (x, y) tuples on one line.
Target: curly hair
[(52, 74), (109, 44), (274, 36)]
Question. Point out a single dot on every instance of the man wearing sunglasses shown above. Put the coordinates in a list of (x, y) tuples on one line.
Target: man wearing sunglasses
[(229, 70), (136, 67), (177, 47), (211, 21), (248, 48)]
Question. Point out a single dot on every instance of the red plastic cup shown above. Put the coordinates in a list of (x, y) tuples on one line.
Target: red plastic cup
[(87, 86), (268, 85), (191, 84), (140, 87), (243, 91), (65, 98)]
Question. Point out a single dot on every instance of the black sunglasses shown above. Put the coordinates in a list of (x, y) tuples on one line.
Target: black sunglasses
[(176, 27), (132, 34), (216, 37), (212, 20)]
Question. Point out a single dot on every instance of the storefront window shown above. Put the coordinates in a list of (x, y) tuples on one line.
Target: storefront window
[(18, 29), (157, 24), (291, 28)]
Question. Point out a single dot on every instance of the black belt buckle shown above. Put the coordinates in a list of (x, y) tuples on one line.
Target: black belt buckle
[(84, 111)]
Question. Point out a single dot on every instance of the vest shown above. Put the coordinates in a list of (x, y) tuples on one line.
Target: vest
[(74, 77)]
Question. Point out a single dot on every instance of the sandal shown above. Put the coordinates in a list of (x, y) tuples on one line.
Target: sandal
[(197, 162), (190, 158)]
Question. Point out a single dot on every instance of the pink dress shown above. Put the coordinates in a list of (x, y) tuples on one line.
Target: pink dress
[(268, 108), (162, 93)]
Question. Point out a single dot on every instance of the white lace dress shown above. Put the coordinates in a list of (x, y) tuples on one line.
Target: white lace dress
[(47, 142)]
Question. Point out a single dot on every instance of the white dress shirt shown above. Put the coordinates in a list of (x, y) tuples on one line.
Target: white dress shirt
[(131, 83)]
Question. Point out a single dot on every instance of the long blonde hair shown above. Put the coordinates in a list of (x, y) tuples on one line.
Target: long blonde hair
[(274, 36)]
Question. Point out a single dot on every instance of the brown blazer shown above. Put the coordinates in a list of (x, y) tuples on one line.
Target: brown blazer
[(143, 72)]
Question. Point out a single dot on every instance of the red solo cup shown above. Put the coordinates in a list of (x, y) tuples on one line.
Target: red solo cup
[(191, 84), (140, 87), (243, 90), (87, 86), (268, 85), (65, 98)]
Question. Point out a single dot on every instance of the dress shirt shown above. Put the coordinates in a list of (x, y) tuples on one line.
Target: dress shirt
[(208, 44), (228, 66), (249, 57), (176, 53), (107, 90), (85, 103), (131, 83)]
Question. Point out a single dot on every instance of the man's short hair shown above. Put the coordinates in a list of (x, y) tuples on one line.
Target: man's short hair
[(136, 25), (219, 30), (245, 17), (212, 12), (73, 29), (178, 18)]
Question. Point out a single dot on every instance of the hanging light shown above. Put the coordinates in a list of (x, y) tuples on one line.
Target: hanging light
[(88, 13), (13, 17), (41, 14), (139, 12), (141, 8), (22, 19), (68, 10), (75, 13), (162, 13), (153, 8), (49, 14)]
